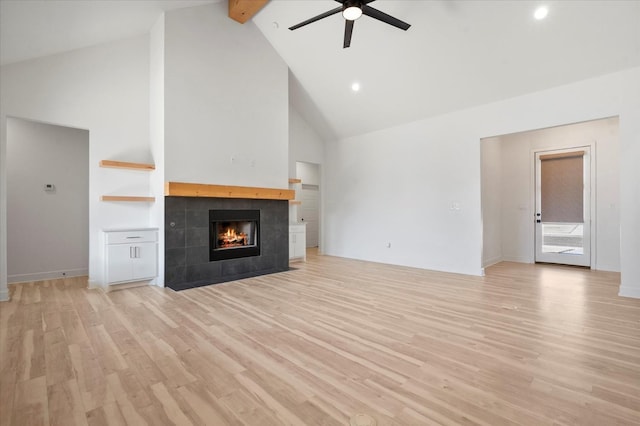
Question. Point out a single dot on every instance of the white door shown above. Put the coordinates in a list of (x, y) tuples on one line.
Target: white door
[(145, 260), (309, 212), (563, 206), (119, 262)]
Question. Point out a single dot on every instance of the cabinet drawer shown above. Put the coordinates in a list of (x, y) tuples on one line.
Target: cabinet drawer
[(131, 237), (297, 228)]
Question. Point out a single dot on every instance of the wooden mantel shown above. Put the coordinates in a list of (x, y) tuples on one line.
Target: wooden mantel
[(243, 10), (180, 189)]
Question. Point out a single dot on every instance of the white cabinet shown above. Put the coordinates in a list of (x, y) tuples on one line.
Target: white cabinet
[(297, 241), (131, 255)]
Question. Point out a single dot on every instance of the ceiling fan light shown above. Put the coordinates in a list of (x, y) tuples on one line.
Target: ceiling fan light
[(541, 13), (352, 13)]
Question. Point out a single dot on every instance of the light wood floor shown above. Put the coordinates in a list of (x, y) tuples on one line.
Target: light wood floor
[(526, 344)]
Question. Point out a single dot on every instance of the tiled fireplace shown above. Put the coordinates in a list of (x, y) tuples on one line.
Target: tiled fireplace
[(199, 245)]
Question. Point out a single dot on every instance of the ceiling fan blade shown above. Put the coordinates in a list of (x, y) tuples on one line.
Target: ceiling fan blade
[(317, 18), (348, 30), (387, 19)]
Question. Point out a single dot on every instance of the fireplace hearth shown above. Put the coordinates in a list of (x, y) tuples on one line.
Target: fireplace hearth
[(191, 239)]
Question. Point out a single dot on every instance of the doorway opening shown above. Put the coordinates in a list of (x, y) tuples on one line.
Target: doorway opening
[(510, 202), (308, 211), (47, 201)]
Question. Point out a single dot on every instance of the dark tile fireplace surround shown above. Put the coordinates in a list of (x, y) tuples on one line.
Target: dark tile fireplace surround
[(187, 248)]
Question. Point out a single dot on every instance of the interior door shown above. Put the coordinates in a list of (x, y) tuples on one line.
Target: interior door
[(309, 213), (563, 206)]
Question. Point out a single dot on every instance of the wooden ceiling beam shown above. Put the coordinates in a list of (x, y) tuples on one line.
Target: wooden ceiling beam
[(243, 10)]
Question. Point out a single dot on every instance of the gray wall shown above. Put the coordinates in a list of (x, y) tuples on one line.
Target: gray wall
[(48, 232)]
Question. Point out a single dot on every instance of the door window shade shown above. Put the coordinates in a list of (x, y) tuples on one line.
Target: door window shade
[(562, 187)]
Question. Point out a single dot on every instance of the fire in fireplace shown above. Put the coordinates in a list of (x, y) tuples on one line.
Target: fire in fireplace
[(234, 234)]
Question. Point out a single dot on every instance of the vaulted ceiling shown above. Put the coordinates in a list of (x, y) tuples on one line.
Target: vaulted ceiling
[(33, 28), (457, 54)]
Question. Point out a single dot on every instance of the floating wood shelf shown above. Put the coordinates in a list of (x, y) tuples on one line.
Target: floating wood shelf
[(127, 198), (126, 165), (294, 180), (180, 189), (295, 202)]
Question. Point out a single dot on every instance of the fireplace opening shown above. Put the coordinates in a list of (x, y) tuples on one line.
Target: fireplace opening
[(234, 234)]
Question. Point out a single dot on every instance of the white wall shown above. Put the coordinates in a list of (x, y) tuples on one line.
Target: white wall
[(491, 166), (104, 89), (305, 144), (516, 192), (47, 232), (309, 173), (517, 209), (399, 185), (156, 135), (225, 98)]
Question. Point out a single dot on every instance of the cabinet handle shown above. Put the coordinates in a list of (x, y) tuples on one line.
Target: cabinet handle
[(137, 252), (131, 252), (130, 238)]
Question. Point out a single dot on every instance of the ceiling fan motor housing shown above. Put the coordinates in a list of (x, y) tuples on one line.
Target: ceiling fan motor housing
[(352, 10)]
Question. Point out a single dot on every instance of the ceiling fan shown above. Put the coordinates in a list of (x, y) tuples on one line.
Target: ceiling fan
[(352, 10)]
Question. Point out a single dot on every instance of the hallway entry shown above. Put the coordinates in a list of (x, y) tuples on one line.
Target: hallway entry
[(47, 201), (553, 195)]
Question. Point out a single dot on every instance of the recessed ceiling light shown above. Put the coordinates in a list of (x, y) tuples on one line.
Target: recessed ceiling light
[(541, 12), (355, 87)]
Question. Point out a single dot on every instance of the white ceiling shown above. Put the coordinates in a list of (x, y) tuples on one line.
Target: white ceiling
[(33, 28), (457, 54)]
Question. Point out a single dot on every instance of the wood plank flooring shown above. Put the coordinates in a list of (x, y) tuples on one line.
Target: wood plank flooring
[(527, 344)]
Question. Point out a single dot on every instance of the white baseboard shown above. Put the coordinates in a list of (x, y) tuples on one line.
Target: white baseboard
[(491, 261), (607, 268), (39, 276), (628, 291), (113, 287), (517, 259)]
